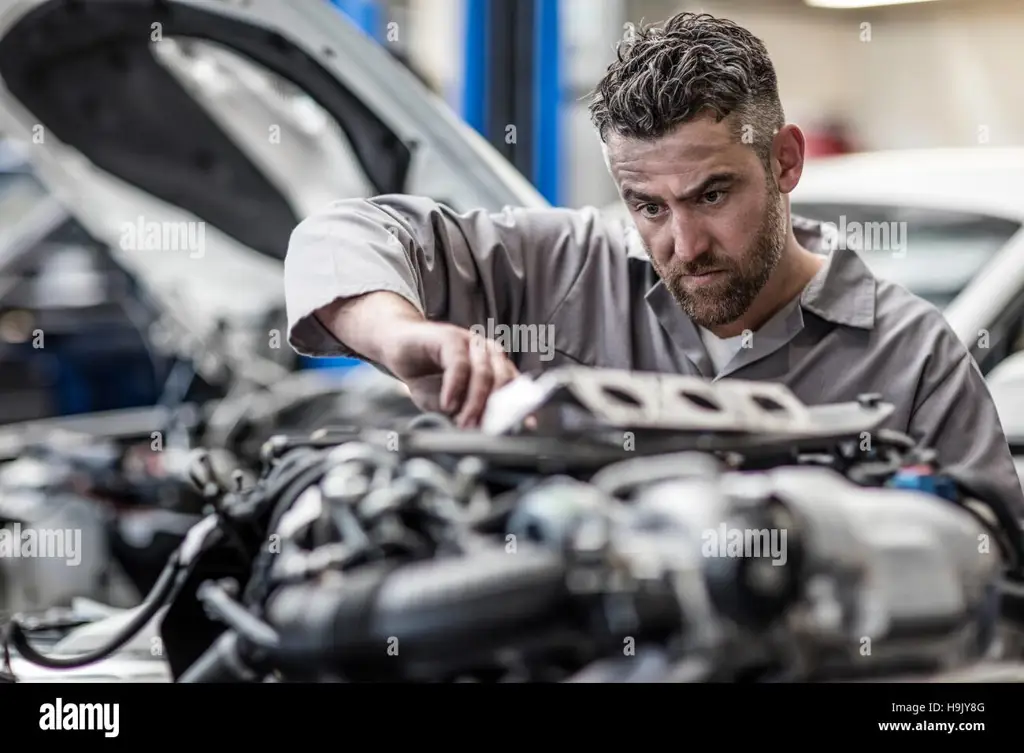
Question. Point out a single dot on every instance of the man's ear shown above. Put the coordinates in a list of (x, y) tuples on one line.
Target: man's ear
[(788, 157)]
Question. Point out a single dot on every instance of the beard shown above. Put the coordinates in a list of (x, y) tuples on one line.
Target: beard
[(727, 298)]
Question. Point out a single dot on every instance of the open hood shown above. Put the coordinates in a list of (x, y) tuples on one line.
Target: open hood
[(193, 135)]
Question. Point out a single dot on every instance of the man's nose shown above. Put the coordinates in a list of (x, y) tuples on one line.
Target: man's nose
[(690, 242)]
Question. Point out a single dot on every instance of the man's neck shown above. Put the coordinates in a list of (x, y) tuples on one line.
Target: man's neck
[(795, 269)]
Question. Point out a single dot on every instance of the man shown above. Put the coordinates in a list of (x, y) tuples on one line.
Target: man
[(715, 279)]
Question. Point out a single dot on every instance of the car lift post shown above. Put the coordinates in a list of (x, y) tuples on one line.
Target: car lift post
[(363, 13), (512, 84)]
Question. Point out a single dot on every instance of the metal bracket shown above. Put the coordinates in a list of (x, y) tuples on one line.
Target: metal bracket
[(581, 399)]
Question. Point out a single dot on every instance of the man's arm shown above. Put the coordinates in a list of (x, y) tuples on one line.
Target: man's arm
[(445, 367), (957, 418), (512, 267)]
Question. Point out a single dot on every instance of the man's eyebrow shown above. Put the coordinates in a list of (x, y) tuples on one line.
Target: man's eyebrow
[(707, 184), (631, 194)]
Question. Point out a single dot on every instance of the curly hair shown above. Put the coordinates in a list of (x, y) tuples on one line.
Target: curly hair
[(693, 64)]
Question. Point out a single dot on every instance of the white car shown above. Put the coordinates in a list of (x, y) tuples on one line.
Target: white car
[(963, 246), (951, 222), (192, 140), (1006, 383)]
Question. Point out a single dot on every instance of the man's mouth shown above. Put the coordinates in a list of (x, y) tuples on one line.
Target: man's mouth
[(704, 277)]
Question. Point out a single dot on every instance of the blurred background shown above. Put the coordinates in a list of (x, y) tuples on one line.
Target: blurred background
[(890, 75), (922, 97)]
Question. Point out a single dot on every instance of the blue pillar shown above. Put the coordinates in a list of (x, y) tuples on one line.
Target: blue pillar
[(547, 108), (363, 13), (475, 65), (509, 51)]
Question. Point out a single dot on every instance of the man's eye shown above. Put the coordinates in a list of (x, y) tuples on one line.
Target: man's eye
[(648, 210), (713, 197)]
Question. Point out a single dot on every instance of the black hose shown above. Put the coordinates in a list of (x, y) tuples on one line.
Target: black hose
[(291, 468), (427, 421), (287, 493), (228, 611), (896, 439), (226, 661), (17, 636)]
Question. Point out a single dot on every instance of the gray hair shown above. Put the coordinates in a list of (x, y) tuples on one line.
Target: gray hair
[(693, 64)]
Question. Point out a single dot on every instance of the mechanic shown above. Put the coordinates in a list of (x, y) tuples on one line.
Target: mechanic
[(713, 277)]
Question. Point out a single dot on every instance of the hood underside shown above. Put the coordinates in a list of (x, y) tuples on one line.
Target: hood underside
[(89, 72)]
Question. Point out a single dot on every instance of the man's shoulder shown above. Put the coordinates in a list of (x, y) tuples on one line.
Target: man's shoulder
[(914, 322), (588, 225)]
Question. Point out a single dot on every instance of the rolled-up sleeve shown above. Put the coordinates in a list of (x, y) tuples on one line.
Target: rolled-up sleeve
[(957, 418), (513, 266)]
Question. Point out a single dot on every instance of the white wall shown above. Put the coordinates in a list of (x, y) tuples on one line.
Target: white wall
[(921, 75), (942, 75), (436, 41), (813, 78), (591, 28)]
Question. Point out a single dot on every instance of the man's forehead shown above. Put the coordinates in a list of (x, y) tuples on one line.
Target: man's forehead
[(699, 136), (683, 150)]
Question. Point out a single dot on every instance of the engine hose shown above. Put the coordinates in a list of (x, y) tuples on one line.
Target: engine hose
[(625, 475), (272, 488), (16, 635), (256, 588), (219, 604), (895, 439)]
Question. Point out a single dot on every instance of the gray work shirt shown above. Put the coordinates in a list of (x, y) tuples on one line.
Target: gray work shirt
[(585, 281)]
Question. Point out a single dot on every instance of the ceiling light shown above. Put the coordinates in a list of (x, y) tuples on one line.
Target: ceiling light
[(860, 3)]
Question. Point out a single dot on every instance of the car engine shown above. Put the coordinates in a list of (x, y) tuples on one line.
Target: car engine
[(602, 526)]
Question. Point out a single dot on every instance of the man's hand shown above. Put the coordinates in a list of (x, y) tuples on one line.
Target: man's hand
[(447, 368)]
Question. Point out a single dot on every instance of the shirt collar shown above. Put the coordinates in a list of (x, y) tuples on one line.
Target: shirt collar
[(843, 291)]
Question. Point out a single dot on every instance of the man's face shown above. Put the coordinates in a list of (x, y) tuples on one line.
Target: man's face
[(712, 221)]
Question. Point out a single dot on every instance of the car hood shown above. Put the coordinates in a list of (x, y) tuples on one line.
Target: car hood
[(191, 136)]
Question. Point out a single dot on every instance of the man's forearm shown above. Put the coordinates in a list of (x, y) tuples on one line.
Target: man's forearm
[(362, 322)]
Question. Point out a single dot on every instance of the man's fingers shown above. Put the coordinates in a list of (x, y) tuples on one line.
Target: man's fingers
[(471, 374), (481, 381), (457, 369), (504, 370), (426, 392)]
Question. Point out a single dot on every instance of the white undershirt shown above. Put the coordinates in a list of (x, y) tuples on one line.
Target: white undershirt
[(720, 351)]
